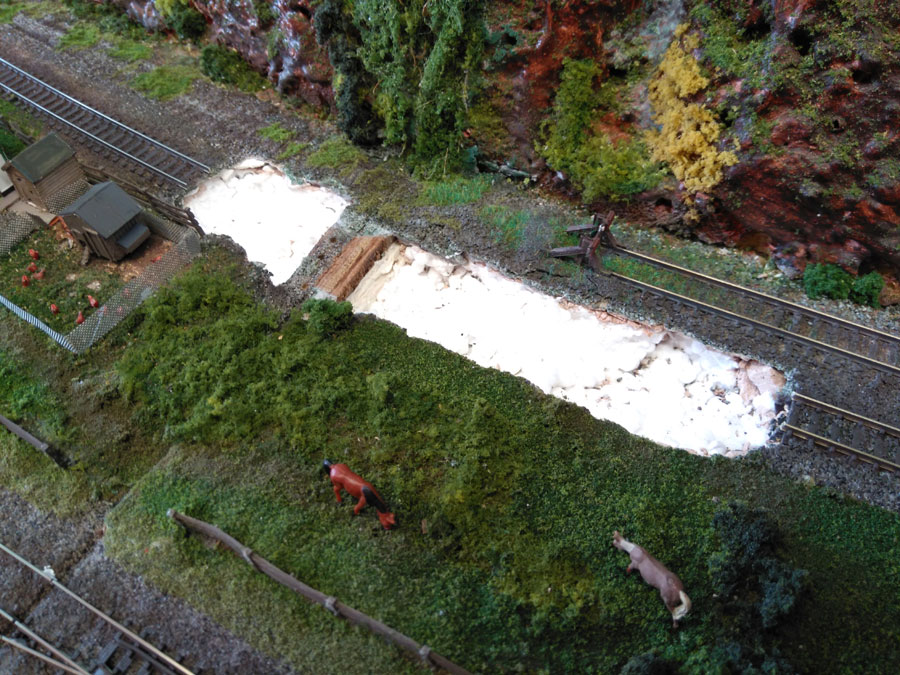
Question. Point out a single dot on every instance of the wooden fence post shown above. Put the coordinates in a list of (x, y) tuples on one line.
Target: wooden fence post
[(424, 652)]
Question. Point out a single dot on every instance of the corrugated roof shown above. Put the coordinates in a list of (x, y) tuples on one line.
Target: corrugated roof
[(105, 208), (39, 159)]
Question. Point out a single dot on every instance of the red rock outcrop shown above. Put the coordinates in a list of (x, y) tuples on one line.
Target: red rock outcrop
[(817, 126)]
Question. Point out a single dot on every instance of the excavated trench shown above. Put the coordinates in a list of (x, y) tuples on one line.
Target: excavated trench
[(702, 400)]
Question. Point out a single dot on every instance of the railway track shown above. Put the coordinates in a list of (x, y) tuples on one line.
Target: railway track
[(125, 652), (868, 359), (143, 155), (834, 429), (790, 317)]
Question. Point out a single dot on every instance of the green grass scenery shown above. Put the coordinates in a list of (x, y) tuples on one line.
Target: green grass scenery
[(65, 283), (336, 152), (131, 51), (80, 36), (20, 119), (506, 500), (292, 149), (9, 11), (276, 132), (221, 64), (166, 82), (455, 190)]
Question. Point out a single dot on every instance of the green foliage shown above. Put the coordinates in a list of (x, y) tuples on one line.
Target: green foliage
[(166, 82), (292, 149), (410, 69), (455, 190), (825, 280), (109, 18), (736, 51), (265, 13), (326, 318), (746, 573), (80, 36), (221, 64), (597, 165), (183, 18), (506, 500), (19, 119), (9, 11), (131, 51), (867, 288), (352, 84), (10, 144), (507, 224), (276, 132), (336, 152), (502, 44)]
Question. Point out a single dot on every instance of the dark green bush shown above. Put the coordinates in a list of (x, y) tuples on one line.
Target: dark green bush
[(867, 288), (10, 143), (109, 18), (755, 586), (406, 72), (221, 64), (187, 22), (829, 281), (327, 317)]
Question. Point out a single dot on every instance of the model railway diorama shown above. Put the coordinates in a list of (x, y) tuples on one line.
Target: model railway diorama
[(198, 367)]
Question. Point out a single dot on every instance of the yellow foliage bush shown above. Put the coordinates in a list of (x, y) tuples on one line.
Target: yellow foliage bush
[(688, 138)]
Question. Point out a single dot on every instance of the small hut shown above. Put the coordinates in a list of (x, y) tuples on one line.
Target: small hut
[(43, 169), (106, 220)]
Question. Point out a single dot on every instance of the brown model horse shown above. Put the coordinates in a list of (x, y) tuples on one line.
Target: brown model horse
[(343, 478)]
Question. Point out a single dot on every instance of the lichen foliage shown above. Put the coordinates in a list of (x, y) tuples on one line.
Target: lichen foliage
[(593, 162), (406, 72), (688, 135)]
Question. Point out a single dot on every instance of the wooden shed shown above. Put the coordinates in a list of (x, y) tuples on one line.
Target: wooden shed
[(43, 169), (106, 220)]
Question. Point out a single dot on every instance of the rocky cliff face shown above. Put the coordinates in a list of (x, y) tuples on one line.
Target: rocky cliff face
[(806, 93)]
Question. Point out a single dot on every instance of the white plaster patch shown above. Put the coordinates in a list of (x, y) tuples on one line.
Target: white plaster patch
[(660, 385), (276, 221)]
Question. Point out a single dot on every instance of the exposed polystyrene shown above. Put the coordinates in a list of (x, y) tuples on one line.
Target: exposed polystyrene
[(658, 384), (277, 222)]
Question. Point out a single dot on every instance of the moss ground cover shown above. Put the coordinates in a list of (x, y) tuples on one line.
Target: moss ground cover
[(506, 498), (65, 281), (166, 82), (29, 402)]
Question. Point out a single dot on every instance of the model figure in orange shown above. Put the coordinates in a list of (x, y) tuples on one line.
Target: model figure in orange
[(344, 479)]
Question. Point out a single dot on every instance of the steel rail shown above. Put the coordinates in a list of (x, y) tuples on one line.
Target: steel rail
[(85, 106), (15, 644), (840, 447), (853, 417), (824, 346), (96, 139), (58, 653), (84, 603), (809, 311)]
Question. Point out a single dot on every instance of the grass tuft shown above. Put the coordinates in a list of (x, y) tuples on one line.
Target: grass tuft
[(80, 36), (166, 82)]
